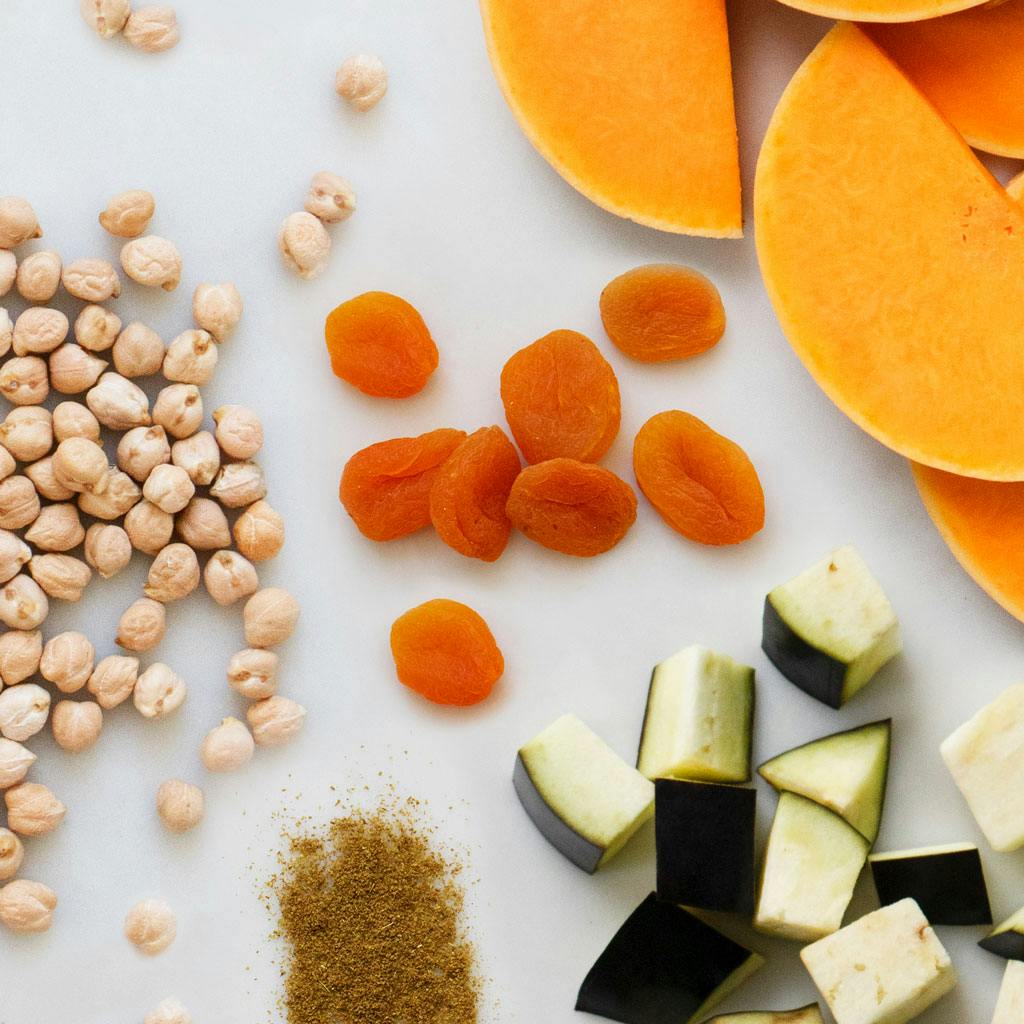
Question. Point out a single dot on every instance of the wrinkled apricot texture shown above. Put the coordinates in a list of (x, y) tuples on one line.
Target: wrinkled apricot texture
[(380, 344), (446, 652), (573, 507), (469, 493), (701, 483), (662, 311), (386, 488), (561, 399)]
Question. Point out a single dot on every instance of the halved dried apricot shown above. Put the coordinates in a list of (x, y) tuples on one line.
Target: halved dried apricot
[(662, 311), (573, 507), (385, 488), (380, 344), (561, 399), (446, 652), (701, 483), (468, 496)]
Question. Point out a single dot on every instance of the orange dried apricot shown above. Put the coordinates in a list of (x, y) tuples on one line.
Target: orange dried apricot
[(561, 399), (446, 652), (662, 311), (385, 488), (573, 507), (468, 496), (702, 484), (380, 344)]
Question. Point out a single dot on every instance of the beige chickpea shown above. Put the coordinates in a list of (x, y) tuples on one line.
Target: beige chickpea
[(20, 653), (229, 577), (142, 626), (173, 575), (141, 450), (330, 198), (113, 679), (305, 244), (228, 747), (259, 532), (57, 528), (62, 577), (25, 380), (108, 549), (39, 276), (23, 604), (362, 81), (17, 222), (14, 553), (149, 528), (118, 403), (159, 691), (116, 497), (45, 481), (67, 661), (239, 484), (199, 456), (7, 463), (72, 419), (152, 261), (150, 926), (76, 724), (80, 465), (73, 370), (27, 907), (270, 617), (6, 327), (152, 29), (39, 330), (203, 526), (12, 853), (275, 721), (180, 805), (169, 1011), (105, 17), (191, 358), (128, 214), (27, 433), (179, 410), (96, 328), (253, 673), (19, 503), (91, 280), (8, 271), (169, 488), (32, 809), (239, 431), (139, 351), (24, 710), (217, 308), (15, 761)]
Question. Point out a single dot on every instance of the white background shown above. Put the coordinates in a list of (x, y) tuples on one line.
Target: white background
[(459, 215)]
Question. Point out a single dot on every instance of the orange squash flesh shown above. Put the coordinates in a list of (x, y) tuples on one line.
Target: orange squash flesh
[(1015, 188), (895, 262), (971, 66), (881, 10), (982, 522), (631, 103)]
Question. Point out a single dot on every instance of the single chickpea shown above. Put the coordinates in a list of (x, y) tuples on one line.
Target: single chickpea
[(239, 484), (305, 244), (152, 261), (39, 330), (239, 431), (173, 575), (17, 222), (24, 710), (159, 691), (330, 198), (118, 403), (275, 721), (14, 553), (112, 680), (108, 549), (67, 661), (27, 433), (91, 280), (199, 456), (203, 526), (20, 653), (8, 271), (139, 351), (141, 450), (7, 464), (191, 358), (27, 907), (80, 465), (106, 17), (229, 577), (179, 410), (72, 419), (170, 1011), (228, 747), (259, 532), (76, 724), (362, 81), (19, 503), (96, 328), (6, 327), (142, 626), (12, 853), (25, 381), (32, 809), (39, 276), (169, 488), (149, 528), (73, 370), (152, 29), (57, 528), (217, 308), (128, 213), (23, 605), (180, 805), (62, 577), (253, 673), (116, 498), (150, 926), (45, 482), (270, 616), (15, 761)]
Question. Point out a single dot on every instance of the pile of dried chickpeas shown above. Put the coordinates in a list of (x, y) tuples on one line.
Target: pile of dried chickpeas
[(67, 515)]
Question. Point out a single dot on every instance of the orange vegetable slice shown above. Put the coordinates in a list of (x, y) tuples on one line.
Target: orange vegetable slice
[(1015, 188), (895, 262), (882, 10)]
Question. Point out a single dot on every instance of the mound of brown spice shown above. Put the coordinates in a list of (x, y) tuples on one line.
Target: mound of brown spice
[(370, 913)]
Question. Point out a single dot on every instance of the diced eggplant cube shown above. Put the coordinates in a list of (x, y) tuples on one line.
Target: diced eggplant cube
[(1007, 939), (886, 968), (584, 799), (946, 881), (811, 867), (1010, 1008), (831, 628), (986, 759), (664, 966), (805, 1015), (699, 718)]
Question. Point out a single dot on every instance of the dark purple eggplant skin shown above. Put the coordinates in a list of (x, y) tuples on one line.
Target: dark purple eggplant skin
[(1008, 945), (949, 887), (818, 674)]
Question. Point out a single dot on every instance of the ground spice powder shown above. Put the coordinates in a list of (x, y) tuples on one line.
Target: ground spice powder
[(370, 912)]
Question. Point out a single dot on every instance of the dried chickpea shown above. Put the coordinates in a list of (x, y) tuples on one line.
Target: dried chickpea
[(72, 419), (179, 804), (15, 761), (27, 906), (67, 661), (139, 351), (191, 358), (17, 222), (270, 616), (152, 261), (118, 403), (142, 626), (168, 1011), (253, 673), (6, 327), (128, 213), (179, 410), (199, 456), (112, 680), (362, 81), (27, 433), (227, 747), (96, 328), (217, 308), (19, 503), (80, 465), (259, 532), (275, 721), (148, 528), (20, 653), (330, 198), (62, 577), (141, 450), (91, 280), (76, 724), (152, 29), (229, 577), (25, 380), (119, 495), (150, 926), (203, 526), (106, 17), (7, 464), (73, 370), (14, 553), (57, 528), (8, 271), (12, 853), (39, 330), (108, 549), (239, 431), (24, 710), (305, 244), (45, 481), (32, 809), (169, 488), (239, 484), (158, 691), (39, 276), (173, 575)]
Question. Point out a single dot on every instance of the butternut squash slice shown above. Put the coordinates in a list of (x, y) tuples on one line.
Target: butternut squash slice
[(631, 103), (881, 10), (971, 66), (982, 522), (1015, 188), (895, 262)]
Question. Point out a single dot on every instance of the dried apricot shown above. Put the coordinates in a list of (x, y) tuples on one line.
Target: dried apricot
[(701, 483), (468, 496), (380, 344), (386, 488), (446, 652), (573, 507), (561, 399), (662, 311)]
